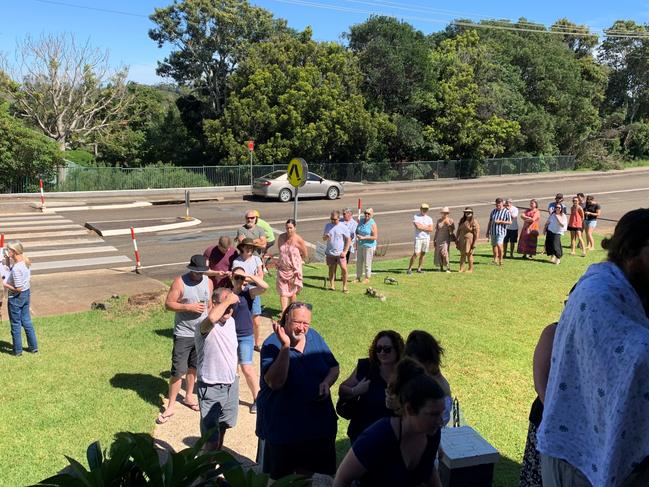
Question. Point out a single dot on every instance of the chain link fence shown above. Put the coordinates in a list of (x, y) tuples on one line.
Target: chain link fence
[(79, 178)]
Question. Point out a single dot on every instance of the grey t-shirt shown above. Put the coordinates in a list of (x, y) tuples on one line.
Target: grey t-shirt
[(251, 266), (337, 235), (253, 233), (185, 321), (217, 353)]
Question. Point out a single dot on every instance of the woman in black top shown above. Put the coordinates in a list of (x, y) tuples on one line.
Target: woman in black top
[(362, 395), (592, 212)]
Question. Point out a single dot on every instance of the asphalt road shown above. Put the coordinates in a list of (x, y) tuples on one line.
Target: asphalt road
[(165, 253)]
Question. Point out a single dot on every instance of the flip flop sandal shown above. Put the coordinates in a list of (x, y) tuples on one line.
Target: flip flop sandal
[(162, 419), (192, 405)]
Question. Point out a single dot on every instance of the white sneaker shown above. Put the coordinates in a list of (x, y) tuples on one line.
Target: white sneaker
[(553, 259), (557, 261)]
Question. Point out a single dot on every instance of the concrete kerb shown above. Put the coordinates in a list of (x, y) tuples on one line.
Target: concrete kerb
[(138, 230), (61, 207)]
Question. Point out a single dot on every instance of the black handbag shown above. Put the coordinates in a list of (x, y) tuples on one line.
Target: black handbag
[(349, 408)]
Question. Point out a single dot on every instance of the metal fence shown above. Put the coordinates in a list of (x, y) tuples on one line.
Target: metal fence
[(78, 178)]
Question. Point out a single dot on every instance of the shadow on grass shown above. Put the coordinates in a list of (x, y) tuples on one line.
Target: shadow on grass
[(148, 387), (165, 332), (6, 347), (270, 312)]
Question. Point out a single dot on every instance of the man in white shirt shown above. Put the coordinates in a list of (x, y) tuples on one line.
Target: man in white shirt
[(511, 237), (218, 383), (423, 227)]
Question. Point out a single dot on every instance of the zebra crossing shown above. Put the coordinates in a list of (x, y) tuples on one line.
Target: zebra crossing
[(54, 243)]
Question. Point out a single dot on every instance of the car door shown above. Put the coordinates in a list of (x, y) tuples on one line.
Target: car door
[(313, 186)]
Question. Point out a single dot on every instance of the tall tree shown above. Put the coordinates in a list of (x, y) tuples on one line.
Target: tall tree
[(209, 39), (393, 57), (68, 89), (628, 59), (295, 96)]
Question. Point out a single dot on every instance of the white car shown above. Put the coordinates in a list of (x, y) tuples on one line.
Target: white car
[(276, 185)]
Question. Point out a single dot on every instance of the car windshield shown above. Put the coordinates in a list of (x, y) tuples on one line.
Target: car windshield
[(274, 174)]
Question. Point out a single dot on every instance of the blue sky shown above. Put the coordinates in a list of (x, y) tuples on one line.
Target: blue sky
[(125, 36)]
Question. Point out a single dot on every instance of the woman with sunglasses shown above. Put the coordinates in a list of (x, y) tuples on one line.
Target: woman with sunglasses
[(400, 450), (366, 238), (362, 395), (297, 423)]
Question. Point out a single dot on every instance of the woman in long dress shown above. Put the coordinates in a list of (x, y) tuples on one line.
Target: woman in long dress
[(442, 239), (292, 250), (468, 230), (529, 236)]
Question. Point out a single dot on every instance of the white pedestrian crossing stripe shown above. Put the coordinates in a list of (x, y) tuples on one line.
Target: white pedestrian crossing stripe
[(53, 243)]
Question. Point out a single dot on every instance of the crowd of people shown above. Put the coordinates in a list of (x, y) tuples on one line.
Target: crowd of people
[(589, 424)]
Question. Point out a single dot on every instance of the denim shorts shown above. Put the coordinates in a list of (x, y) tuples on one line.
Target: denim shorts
[(590, 223), (497, 239), (245, 349), (256, 306)]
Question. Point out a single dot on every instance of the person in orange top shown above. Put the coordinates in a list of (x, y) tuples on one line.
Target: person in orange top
[(575, 226)]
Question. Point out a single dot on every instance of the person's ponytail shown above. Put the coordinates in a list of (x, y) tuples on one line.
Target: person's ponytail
[(412, 386)]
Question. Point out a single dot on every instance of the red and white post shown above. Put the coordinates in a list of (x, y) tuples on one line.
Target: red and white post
[(2, 240), (138, 265), (359, 209), (40, 182)]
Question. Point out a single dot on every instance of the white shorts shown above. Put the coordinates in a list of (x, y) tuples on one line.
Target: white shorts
[(422, 244)]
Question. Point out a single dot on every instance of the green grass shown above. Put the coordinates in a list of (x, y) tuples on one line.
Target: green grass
[(102, 373)]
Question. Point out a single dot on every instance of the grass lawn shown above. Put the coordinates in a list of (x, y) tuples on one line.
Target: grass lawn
[(100, 373)]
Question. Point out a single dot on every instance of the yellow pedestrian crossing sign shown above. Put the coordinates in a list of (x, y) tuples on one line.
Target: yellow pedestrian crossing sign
[(297, 171)]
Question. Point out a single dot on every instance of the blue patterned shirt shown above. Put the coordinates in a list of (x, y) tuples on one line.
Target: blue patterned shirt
[(596, 414)]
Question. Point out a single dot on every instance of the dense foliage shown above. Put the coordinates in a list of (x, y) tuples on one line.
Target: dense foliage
[(390, 94)]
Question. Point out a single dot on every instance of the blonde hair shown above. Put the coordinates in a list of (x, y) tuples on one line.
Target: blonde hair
[(18, 248), (370, 211)]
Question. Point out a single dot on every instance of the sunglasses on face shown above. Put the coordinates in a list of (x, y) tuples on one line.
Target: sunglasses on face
[(250, 217), (383, 349), (238, 277)]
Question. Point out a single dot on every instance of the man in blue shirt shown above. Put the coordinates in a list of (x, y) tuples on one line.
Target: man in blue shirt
[(297, 423), (338, 239)]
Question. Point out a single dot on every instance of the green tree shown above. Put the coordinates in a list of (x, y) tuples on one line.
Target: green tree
[(450, 106), (25, 154), (209, 39), (393, 57), (627, 57), (297, 97)]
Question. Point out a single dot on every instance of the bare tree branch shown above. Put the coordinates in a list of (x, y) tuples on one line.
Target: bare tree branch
[(68, 88)]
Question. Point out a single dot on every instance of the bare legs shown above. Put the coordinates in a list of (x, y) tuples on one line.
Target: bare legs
[(175, 384), (248, 371), (589, 238), (466, 257), (498, 251), (343, 274), (577, 236), (286, 300)]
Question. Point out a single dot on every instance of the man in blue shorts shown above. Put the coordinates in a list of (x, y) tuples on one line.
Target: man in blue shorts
[(499, 219)]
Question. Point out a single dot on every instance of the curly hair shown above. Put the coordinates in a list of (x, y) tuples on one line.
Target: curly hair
[(397, 342)]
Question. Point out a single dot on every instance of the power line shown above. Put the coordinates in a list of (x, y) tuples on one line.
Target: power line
[(86, 7)]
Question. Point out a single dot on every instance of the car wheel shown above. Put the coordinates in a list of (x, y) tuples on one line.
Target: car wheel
[(285, 195), (332, 193)]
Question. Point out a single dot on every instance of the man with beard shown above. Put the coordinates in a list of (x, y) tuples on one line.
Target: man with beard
[(297, 422), (595, 428)]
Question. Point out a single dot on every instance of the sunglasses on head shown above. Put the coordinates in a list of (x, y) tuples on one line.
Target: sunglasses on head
[(383, 349)]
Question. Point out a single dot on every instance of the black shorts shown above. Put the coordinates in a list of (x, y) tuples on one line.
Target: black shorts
[(511, 237), (575, 229), (183, 356), (317, 456)]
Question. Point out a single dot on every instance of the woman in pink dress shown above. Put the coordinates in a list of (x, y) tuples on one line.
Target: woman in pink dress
[(530, 232), (292, 250)]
